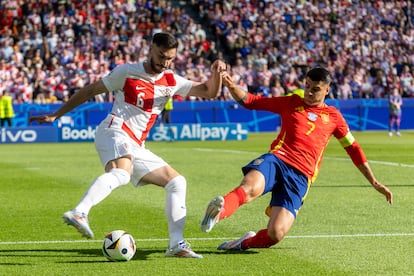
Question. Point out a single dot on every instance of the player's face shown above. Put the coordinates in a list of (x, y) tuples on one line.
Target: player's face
[(315, 92), (161, 58)]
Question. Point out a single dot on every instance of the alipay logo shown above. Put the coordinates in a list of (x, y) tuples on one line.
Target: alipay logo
[(198, 132)]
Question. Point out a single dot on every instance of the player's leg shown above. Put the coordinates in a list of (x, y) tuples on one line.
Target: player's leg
[(220, 207), (118, 174), (397, 125), (253, 185), (154, 170), (287, 199), (391, 122), (280, 222), (115, 151), (175, 200), (100, 188), (288, 193)]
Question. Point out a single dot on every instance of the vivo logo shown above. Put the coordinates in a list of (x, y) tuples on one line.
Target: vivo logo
[(17, 136)]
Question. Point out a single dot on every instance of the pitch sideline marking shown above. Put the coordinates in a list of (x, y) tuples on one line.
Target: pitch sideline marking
[(213, 239)]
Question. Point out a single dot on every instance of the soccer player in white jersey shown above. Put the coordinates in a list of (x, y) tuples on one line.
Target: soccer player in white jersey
[(141, 91)]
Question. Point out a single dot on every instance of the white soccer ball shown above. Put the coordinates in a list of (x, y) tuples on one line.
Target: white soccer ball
[(119, 246)]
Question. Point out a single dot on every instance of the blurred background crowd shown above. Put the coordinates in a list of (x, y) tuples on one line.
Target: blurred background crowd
[(50, 49)]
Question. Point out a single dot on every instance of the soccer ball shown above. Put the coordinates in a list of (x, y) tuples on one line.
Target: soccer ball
[(119, 246)]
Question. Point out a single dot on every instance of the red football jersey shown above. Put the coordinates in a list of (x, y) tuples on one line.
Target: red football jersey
[(305, 130)]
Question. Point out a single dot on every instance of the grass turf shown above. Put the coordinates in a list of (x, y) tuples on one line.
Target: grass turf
[(344, 228)]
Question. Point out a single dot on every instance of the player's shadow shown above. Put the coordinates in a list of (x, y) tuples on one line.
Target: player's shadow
[(229, 252), (91, 254), (36, 253), (140, 255)]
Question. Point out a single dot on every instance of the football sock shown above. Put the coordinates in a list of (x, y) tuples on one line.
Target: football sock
[(261, 240), (175, 209), (101, 188), (232, 201)]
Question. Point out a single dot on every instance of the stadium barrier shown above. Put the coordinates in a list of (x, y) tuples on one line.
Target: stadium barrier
[(161, 132), (361, 114)]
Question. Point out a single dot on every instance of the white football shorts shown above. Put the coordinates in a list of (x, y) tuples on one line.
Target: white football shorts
[(111, 142)]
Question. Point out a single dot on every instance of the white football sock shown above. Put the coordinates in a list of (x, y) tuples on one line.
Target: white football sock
[(175, 208), (101, 188)]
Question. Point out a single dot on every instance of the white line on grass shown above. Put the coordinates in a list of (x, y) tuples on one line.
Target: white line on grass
[(376, 162), (213, 239)]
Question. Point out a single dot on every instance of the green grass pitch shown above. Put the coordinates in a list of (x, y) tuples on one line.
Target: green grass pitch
[(344, 228)]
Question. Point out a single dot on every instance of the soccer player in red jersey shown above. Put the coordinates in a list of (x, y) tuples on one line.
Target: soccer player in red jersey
[(293, 160), (141, 91)]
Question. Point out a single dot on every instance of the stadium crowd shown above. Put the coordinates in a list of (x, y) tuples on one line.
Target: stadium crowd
[(49, 49)]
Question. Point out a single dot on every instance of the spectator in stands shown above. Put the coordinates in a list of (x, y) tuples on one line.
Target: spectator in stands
[(406, 78), (345, 89), (346, 42), (367, 90), (6, 109), (276, 89)]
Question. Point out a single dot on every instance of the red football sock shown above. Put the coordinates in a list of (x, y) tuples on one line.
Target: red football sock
[(232, 201), (261, 240)]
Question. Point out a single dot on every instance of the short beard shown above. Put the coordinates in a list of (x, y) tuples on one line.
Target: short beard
[(154, 68)]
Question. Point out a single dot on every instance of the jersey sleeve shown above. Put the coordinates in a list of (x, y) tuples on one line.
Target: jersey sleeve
[(342, 132), (115, 80), (183, 85), (275, 104), (348, 142)]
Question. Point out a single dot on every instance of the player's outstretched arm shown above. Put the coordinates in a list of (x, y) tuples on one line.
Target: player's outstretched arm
[(365, 169), (236, 92), (359, 159), (78, 98), (211, 88)]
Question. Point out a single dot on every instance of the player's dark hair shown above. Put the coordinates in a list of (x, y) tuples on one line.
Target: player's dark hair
[(165, 40), (319, 74)]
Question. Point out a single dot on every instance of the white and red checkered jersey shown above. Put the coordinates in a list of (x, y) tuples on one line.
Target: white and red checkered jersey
[(140, 97)]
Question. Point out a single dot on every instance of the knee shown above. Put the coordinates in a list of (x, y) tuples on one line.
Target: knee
[(121, 175), (178, 183), (253, 185), (276, 234)]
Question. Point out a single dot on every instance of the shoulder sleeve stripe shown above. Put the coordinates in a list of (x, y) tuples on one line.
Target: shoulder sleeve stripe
[(347, 140)]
